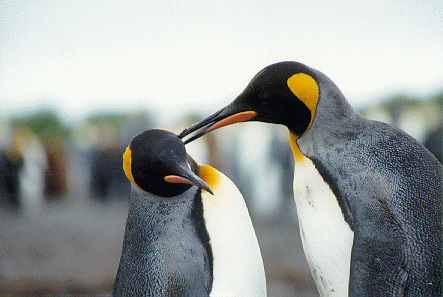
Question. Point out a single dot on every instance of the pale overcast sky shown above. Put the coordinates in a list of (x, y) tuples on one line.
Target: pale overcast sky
[(79, 56)]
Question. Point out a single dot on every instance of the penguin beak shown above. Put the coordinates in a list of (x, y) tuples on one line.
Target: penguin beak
[(187, 176), (227, 116)]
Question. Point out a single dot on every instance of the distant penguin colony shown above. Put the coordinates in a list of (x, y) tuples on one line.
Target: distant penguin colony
[(188, 231), (368, 196)]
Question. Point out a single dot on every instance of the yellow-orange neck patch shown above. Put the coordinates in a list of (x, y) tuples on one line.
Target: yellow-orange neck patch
[(298, 156), (209, 175), (127, 161), (306, 89)]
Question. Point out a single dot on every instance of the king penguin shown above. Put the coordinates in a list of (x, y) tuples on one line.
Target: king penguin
[(368, 196), (188, 231)]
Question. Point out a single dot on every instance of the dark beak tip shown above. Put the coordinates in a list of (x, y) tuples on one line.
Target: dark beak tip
[(209, 190), (204, 186), (199, 127), (188, 174)]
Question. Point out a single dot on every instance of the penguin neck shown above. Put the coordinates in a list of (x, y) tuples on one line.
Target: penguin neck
[(167, 217), (331, 117), (144, 207), (333, 113), (335, 120)]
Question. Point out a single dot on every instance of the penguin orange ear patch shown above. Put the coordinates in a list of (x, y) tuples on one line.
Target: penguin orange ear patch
[(306, 89), (127, 160)]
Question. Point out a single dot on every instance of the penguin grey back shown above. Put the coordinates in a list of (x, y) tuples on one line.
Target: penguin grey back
[(166, 247)]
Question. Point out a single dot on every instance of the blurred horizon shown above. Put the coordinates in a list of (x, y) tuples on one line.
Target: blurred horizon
[(203, 111)]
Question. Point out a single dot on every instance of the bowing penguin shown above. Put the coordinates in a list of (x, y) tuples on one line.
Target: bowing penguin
[(368, 196)]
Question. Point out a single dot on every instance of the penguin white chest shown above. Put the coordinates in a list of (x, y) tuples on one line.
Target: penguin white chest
[(238, 265), (327, 238)]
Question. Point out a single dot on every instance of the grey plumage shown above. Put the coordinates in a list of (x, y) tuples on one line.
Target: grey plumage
[(165, 249), (392, 186)]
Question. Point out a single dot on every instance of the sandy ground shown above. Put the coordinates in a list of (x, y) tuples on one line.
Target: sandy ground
[(73, 248)]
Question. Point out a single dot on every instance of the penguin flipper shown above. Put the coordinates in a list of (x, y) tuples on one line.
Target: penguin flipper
[(378, 258)]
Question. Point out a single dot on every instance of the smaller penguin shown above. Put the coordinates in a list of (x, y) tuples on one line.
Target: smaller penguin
[(188, 231)]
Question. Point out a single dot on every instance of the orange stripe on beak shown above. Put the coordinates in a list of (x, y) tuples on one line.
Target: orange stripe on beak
[(175, 179), (236, 118)]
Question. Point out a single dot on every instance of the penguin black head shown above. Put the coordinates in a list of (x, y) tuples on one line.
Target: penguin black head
[(284, 93), (156, 162)]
